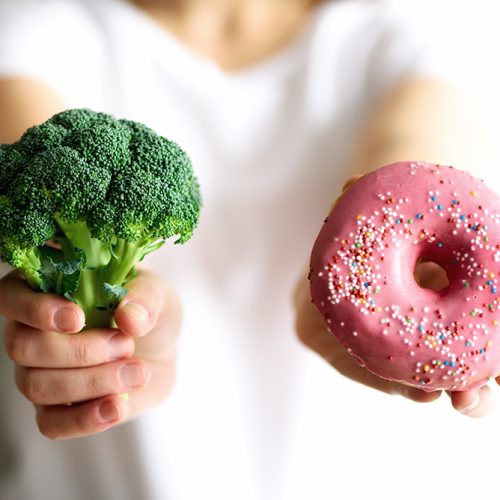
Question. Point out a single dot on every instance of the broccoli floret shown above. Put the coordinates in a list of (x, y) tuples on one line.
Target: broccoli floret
[(84, 197)]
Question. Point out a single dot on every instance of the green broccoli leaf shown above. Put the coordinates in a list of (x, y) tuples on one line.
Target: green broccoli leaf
[(114, 293), (62, 278)]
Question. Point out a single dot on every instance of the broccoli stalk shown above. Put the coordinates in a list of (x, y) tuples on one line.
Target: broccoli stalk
[(85, 197), (108, 266)]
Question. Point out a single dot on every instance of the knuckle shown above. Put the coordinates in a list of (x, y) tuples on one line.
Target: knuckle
[(18, 347), (80, 351), (32, 386), (32, 315), (45, 425), (94, 383), (156, 287)]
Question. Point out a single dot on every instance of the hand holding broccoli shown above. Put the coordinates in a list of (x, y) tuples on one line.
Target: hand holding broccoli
[(56, 366), (83, 198)]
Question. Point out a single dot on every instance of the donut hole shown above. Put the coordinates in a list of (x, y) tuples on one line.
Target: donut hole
[(430, 275)]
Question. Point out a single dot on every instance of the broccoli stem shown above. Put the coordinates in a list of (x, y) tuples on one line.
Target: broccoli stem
[(30, 267), (87, 296), (105, 263), (91, 296), (77, 235), (125, 256)]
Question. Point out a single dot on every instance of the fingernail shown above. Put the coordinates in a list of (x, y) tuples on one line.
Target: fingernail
[(109, 412), (473, 405), (66, 320), (119, 346), (132, 375), (136, 311)]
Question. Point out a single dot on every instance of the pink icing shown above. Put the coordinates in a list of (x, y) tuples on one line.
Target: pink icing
[(362, 282)]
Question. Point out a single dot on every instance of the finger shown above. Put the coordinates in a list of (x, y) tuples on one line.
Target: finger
[(163, 374), (352, 180), (349, 183), (138, 312), (40, 310), (149, 300), (58, 386), (474, 403), (416, 394), (82, 419), (27, 346)]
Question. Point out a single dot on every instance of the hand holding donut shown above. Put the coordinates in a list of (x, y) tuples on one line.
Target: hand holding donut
[(84, 383), (380, 317)]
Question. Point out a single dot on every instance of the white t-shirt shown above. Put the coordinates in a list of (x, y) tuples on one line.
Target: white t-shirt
[(271, 146)]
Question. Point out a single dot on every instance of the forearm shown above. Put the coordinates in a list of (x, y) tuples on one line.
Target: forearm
[(424, 120), (24, 103)]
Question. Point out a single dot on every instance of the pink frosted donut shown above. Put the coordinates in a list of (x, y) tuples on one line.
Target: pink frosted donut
[(362, 275)]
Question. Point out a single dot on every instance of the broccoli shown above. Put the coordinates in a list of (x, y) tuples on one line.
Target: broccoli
[(84, 197)]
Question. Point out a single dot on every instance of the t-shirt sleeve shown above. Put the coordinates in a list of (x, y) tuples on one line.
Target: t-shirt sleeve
[(399, 51), (45, 40)]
